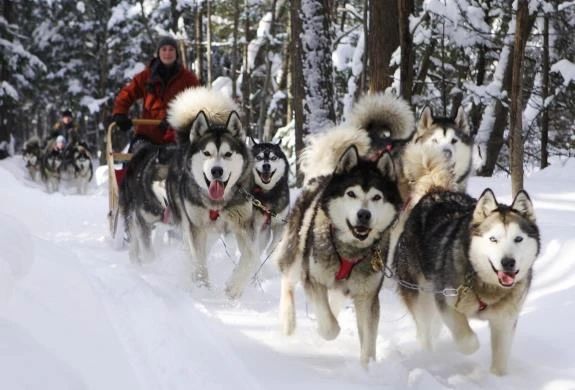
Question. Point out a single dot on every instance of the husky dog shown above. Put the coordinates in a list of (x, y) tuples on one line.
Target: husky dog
[(32, 154), (378, 123), (77, 166), (468, 258), (50, 168), (209, 181), (336, 239), (271, 190), (143, 198), (452, 136)]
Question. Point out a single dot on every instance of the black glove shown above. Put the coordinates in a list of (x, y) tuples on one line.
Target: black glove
[(164, 125), (122, 121)]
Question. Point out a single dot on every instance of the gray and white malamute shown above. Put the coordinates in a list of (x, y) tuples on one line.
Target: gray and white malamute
[(77, 168), (32, 154), (50, 168), (468, 258), (336, 240), (209, 180), (452, 136), (143, 199), (271, 189)]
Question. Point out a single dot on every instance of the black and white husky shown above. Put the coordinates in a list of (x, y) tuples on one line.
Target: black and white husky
[(209, 181), (467, 258), (451, 135), (77, 168), (143, 200), (50, 168), (271, 190), (32, 154), (337, 238)]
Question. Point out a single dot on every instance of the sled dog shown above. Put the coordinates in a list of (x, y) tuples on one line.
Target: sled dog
[(452, 136), (336, 240), (271, 190), (209, 180), (143, 199), (77, 167), (467, 258), (50, 168), (378, 123), (32, 154)]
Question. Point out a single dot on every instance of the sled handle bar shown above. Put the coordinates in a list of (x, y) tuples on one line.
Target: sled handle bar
[(150, 122)]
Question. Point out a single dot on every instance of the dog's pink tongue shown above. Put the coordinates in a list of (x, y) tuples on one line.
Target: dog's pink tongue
[(216, 190), (505, 279)]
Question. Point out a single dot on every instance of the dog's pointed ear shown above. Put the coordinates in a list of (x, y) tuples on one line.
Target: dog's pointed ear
[(385, 165), (522, 204), (461, 120), (426, 118), (234, 126), (486, 204), (199, 126), (348, 160), (279, 143)]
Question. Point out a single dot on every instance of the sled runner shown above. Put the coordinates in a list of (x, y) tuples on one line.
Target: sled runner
[(115, 175)]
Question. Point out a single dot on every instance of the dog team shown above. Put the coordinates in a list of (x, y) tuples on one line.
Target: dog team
[(381, 196)]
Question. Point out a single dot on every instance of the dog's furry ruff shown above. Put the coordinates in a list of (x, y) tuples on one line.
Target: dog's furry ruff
[(371, 112), (184, 108)]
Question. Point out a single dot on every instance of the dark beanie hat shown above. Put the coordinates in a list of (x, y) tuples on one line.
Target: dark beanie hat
[(167, 41), (66, 113)]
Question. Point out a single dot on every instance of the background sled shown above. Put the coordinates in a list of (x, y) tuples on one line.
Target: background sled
[(115, 175)]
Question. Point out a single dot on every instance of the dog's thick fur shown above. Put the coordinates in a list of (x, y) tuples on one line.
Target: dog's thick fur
[(378, 122), (212, 148), (480, 248), (143, 199), (271, 169), (50, 167), (340, 220)]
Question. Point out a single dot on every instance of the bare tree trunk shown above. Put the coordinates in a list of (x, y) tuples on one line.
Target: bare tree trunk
[(234, 64), (383, 40), (246, 89), (199, 36), (175, 15), (264, 101), (364, 57), (6, 120), (405, 8), (419, 84), (209, 40), (516, 124), (480, 66), (545, 93), (298, 91)]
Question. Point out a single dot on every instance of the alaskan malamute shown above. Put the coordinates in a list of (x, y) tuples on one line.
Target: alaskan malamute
[(77, 167), (209, 180), (271, 190), (32, 154), (469, 259), (337, 239)]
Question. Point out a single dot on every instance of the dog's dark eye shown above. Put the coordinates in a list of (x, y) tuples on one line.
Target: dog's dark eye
[(453, 141), (351, 194), (228, 154), (259, 158), (518, 239), (376, 198), (207, 154), (273, 158), (492, 239)]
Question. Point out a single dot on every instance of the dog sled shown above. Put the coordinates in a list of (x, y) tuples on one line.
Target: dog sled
[(116, 174)]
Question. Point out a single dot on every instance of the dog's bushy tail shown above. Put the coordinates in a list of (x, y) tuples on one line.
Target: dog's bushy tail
[(426, 169)]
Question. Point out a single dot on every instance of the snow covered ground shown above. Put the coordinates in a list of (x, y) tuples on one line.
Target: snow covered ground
[(75, 314)]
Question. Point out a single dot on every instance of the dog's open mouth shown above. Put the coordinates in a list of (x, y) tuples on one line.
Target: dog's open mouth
[(359, 231), (266, 177), (216, 188), (506, 279)]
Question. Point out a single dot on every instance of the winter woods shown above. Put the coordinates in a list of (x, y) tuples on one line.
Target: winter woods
[(296, 66)]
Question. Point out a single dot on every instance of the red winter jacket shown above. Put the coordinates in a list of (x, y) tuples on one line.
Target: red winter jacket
[(155, 97)]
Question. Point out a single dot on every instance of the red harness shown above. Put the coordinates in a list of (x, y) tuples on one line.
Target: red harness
[(214, 214), (345, 267), (482, 305)]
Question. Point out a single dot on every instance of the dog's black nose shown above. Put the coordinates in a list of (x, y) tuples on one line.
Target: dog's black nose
[(363, 217), (447, 153), (217, 172), (508, 263), (266, 167)]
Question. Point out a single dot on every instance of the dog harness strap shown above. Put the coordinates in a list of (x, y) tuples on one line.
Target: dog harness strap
[(166, 216), (345, 268), (214, 214), (482, 305)]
